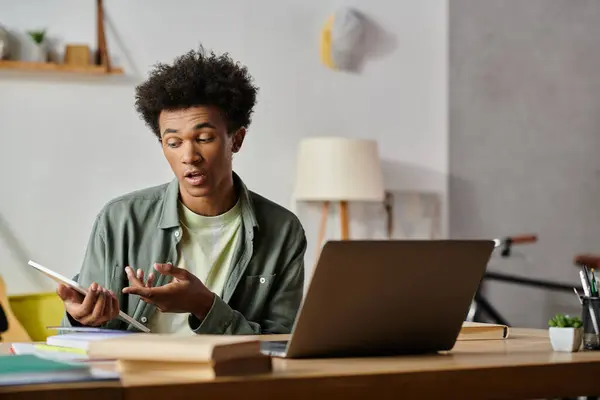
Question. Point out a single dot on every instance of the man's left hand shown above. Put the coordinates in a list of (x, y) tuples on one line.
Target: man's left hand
[(185, 292)]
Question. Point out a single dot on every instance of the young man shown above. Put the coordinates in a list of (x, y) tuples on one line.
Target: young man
[(202, 253)]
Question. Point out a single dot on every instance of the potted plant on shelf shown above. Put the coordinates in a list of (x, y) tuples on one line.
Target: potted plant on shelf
[(35, 50), (565, 333)]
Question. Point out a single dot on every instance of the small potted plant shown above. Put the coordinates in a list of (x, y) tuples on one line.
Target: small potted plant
[(35, 50), (565, 333)]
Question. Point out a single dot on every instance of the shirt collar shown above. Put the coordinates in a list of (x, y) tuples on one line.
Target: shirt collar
[(169, 217)]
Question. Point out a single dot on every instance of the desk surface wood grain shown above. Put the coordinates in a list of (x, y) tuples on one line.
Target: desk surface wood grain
[(522, 366)]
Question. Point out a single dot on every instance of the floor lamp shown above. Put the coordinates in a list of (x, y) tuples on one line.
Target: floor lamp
[(338, 170)]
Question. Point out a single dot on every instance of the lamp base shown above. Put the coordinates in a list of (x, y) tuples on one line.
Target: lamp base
[(344, 224)]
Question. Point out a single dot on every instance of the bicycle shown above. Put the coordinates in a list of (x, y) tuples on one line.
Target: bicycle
[(481, 306)]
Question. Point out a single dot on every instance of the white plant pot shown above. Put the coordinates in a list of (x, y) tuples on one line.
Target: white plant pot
[(566, 339), (33, 52)]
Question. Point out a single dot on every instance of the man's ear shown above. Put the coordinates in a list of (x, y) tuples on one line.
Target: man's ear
[(238, 140)]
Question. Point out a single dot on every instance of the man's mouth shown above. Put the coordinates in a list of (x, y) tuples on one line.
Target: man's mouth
[(195, 177)]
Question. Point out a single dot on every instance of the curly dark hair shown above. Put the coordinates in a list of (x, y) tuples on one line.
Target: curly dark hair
[(196, 79)]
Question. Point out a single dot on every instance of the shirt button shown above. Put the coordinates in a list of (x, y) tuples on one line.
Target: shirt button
[(144, 320), (262, 280)]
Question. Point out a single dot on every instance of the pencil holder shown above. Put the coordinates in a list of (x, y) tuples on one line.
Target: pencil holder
[(590, 316)]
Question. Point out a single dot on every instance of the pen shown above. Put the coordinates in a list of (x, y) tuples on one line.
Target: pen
[(586, 290), (584, 284), (593, 286), (586, 272)]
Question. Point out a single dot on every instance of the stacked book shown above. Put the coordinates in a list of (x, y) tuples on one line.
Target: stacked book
[(206, 355)]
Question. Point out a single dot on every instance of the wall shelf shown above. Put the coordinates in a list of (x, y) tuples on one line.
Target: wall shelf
[(58, 68)]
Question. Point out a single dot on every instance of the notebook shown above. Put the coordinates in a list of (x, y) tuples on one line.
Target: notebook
[(482, 331), (50, 352), (29, 369), (205, 356), (81, 340)]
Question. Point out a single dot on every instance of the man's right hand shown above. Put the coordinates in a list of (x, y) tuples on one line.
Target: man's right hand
[(94, 309)]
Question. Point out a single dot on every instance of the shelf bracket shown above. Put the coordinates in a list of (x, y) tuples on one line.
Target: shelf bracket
[(102, 57)]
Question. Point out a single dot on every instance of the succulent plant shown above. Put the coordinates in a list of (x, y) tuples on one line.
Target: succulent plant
[(565, 321), (37, 36)]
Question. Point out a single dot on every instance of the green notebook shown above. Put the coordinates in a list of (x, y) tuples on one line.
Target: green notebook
[(29, 369)]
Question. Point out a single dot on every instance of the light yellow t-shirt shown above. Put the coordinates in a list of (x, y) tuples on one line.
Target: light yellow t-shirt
[(206, 250)]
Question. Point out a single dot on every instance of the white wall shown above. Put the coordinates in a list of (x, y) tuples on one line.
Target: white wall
[(70, 145)]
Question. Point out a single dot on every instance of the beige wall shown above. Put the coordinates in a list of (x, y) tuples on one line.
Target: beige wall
[(69, 145), (524, 137)]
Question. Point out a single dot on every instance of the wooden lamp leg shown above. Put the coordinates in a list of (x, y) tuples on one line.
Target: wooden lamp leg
[(344, 220), (322, 227)]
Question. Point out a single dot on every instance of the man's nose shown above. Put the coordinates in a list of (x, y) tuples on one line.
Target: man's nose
[(190, 154)]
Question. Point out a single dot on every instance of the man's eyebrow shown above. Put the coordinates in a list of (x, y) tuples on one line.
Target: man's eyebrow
[(205, 125), (199, 126)]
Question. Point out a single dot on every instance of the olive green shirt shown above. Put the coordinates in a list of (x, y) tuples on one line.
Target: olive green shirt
[(264, 287)]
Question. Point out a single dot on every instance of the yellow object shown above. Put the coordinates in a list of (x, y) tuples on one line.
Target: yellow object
[(326, 44), (46, 347), (36, 311), (16, 332), (341, 38)]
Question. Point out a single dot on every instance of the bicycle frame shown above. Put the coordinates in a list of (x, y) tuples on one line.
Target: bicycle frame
[(480, 305)]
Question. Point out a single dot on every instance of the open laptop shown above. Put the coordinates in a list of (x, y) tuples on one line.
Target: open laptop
[(371, 298)]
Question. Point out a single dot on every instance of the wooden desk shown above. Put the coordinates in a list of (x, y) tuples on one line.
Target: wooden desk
[(521, 367)]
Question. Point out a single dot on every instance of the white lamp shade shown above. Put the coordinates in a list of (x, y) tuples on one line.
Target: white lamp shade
[(338, 169)]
